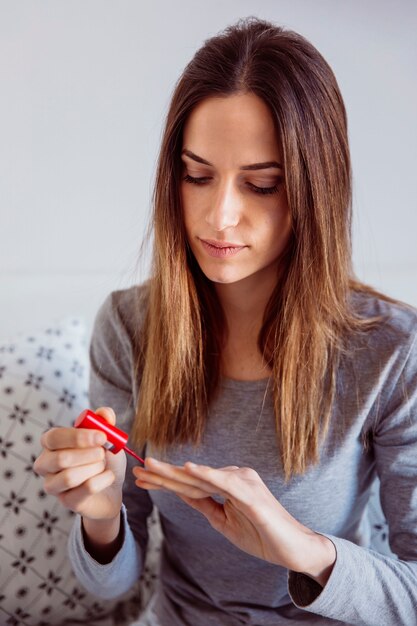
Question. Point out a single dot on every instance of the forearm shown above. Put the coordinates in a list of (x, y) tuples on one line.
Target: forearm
[(307, 552), (320, 557), (382, 589), (102, 538), (111, 579)]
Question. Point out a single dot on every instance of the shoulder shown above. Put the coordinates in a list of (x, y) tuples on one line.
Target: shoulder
[(385, 354), (398, 321), (121, 316), (125, 307), (379, 364)]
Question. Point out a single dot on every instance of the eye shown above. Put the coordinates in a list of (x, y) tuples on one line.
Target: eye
[(273, 189), (196, 181), (254, 188)]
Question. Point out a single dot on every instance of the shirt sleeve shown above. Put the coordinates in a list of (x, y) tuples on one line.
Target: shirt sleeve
[(366, 587), (111, 384), (111, 579)]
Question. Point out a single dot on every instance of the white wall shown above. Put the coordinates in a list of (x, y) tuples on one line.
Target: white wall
[(84, 87)]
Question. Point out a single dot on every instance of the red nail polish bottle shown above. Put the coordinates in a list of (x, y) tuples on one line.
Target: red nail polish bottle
[(115, 437)]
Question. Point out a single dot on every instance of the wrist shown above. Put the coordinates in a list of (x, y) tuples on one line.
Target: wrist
[(102, 538), (103, 530), (321, 558)]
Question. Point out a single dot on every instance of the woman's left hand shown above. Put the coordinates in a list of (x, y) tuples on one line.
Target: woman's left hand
[(250, 517)]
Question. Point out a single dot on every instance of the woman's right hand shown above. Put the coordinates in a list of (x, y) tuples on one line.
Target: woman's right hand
[(84, 476)]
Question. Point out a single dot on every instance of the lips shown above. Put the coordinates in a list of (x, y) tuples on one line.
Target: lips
[(221, 249), (222, 244)]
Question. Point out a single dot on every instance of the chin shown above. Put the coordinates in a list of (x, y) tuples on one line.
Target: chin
[(222, 277), (224, 272)]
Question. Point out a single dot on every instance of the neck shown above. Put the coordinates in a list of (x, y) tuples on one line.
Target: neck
[(244, 302)]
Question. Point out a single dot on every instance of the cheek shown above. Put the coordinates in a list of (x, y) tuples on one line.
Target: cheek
[(277, 226), (285, 224), (189, 221), (188, 207), (193, 217)]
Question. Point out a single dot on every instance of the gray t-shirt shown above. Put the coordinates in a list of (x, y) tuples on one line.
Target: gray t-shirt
[(204, 579)]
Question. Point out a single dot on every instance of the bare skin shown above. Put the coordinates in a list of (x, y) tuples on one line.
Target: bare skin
[(228, 133), (86, 479), (250, 517), (225, 207)]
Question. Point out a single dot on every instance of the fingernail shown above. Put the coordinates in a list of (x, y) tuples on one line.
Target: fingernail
[(100, 439)]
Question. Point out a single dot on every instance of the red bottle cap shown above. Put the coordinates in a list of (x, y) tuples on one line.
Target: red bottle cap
[(88, 419), (116, 437)]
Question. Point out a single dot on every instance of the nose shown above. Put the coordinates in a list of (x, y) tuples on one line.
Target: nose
[(224, 209)]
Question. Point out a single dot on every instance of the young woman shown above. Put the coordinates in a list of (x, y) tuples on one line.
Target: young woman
[(265, 385)]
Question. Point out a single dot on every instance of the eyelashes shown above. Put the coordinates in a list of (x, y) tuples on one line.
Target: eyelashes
[(254, 188)]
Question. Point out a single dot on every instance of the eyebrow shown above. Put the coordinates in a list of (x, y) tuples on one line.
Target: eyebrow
[(254, 166)]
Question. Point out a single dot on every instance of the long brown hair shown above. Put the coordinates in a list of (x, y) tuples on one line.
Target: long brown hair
[(310, 313)]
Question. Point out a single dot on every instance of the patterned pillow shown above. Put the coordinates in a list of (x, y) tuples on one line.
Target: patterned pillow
[(43, 382)]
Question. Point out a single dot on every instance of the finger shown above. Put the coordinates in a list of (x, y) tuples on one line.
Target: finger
[(74, 499), (60, 437), (147, 480), (234, 482), (108, 413), (176, 472), (146, 485), (71, 478), (227, 468), (53, 461)]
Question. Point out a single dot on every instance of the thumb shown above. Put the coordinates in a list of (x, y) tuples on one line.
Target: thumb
[(108, 414)]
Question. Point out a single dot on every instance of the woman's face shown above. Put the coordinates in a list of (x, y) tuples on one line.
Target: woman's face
[(235, 232)]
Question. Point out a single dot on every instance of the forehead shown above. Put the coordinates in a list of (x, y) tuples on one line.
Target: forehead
[(241, 123)]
